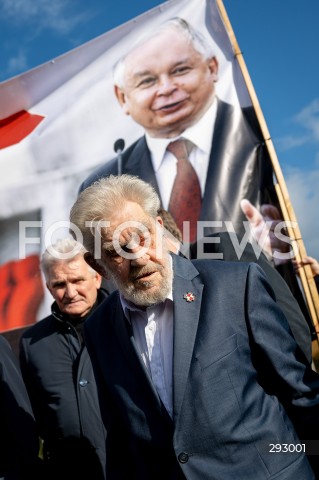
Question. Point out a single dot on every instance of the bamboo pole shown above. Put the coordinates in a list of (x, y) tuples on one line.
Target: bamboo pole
[(306, 277)]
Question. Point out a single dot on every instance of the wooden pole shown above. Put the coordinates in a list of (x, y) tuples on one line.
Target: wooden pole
[(306, 277)]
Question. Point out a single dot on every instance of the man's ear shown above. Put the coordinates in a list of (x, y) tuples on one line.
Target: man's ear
[(213, 67), (121, 98), (90, 260)]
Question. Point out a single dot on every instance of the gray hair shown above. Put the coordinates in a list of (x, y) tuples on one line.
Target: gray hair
[(64, 250), (108, 195), (199, 42)]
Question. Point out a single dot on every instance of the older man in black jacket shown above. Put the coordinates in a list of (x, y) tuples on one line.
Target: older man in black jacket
[(57, 369)]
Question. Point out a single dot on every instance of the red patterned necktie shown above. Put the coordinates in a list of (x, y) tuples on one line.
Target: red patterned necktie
[(186, 199)]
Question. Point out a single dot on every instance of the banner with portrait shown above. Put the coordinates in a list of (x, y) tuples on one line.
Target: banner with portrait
[(60, 121)]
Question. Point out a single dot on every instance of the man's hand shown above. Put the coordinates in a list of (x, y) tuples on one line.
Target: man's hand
[(314, 265), (263, 225)]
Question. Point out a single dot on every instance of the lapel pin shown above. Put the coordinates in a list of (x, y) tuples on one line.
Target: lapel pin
[(189, 297)]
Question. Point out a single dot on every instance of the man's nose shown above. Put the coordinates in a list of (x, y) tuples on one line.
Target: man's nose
[(140, 257), (166, 85), (71, 290)]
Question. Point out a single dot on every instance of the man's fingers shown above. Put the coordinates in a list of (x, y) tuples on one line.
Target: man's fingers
[(251, 212), (90, 260), (308, 260), (270, 211)]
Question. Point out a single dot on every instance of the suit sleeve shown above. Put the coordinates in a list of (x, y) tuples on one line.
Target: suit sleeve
[(282, 368)]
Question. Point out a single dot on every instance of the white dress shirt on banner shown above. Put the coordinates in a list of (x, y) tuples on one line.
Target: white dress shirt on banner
[(164, 162)]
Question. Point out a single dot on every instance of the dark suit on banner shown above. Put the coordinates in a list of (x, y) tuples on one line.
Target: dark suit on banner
[(235, 365), (238, 168)]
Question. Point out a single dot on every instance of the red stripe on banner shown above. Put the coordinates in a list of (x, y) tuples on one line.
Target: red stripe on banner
[(15, 128), (21, 292)]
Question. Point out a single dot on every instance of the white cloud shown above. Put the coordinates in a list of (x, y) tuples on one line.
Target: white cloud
[(304, 195), (17, 63), (292, 141), (21, 11), (302, 182), (50, 14), (308, 120)]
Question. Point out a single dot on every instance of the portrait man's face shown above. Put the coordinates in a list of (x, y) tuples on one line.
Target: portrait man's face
[(73, 286), (168, 85), (138, 264)]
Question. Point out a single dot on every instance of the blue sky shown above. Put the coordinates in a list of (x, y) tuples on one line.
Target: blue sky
[(279, 42)]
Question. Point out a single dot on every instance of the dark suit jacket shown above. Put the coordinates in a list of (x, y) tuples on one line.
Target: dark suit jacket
[(239, 167), (227, 246), (235, 366), (19, 442)]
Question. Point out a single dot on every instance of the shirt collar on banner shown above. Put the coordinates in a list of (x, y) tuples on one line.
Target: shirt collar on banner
[(200, 134)]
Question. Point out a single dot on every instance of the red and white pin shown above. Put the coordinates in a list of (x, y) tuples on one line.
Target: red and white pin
[(189, 297)]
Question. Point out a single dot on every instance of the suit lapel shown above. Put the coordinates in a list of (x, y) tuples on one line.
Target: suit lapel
[(233, 171), (217, 160), (140, 164), (186, 317)]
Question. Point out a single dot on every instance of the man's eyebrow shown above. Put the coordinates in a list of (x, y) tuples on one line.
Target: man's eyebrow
[(63, 282), (142, 73), (54, 283), (108, 247), (181, 61)]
